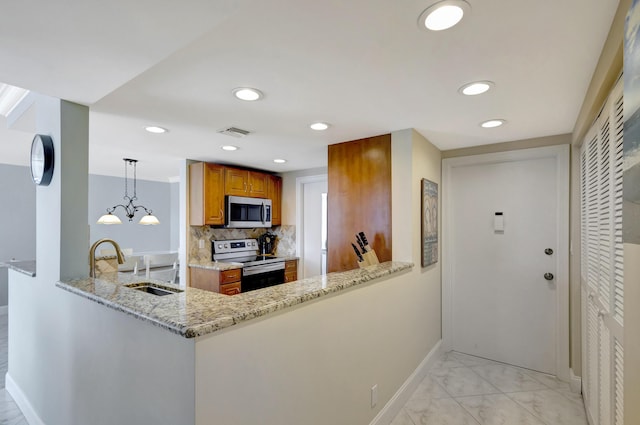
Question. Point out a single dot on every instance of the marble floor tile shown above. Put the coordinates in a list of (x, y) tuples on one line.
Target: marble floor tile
[(568, 393), (508, 378), (442, 411), (10, 414), (429, 389), (402, 418), (462, 381), (497, 409), (546, 379), (447, 360), (552, 409), (469, 360)]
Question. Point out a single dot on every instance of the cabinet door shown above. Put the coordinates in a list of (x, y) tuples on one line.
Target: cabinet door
[(258, 184), (213, 194), (206, 194), (274, 192), (230, 276), (235, 182), (230, 288)]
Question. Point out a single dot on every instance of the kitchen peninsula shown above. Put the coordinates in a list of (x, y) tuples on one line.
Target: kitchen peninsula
[(194, 312), (190, 358)]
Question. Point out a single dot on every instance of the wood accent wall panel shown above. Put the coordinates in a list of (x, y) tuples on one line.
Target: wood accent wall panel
[(359, 199)]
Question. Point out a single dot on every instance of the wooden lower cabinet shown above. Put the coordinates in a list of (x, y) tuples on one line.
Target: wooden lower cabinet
[(230, 288), (290, 271), (225, 282)]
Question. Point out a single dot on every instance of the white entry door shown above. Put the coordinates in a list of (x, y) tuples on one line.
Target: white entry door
[(506, 234)]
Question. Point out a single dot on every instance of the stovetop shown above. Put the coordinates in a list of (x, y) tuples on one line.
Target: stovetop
[(251, 260), (244, 251)]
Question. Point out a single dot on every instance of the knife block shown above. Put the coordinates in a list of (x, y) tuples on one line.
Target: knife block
[(369, 258)]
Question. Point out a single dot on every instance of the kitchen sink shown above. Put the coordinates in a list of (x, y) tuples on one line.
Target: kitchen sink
[(154, 288)]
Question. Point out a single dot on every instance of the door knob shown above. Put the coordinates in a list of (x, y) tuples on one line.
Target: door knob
[(548, 276), (548, 251)]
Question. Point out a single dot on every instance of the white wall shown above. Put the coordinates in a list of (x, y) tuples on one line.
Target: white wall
[(17, 219), (289, 192), (316, 364), (174, 212)]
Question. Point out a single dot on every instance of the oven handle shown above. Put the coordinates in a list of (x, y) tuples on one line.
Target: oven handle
[(262, 268)]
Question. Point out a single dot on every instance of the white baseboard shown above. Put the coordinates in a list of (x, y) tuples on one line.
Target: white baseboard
[(575, 382), (21, 400), (4, 309), (400, 398)]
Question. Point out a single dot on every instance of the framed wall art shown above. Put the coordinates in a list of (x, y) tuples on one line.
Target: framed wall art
[(429, 222)]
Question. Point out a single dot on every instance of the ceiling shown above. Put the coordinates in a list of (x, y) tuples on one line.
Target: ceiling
[(362, 65)]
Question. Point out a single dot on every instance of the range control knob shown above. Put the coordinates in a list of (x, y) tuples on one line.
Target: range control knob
[(226, 245), (219, 246)]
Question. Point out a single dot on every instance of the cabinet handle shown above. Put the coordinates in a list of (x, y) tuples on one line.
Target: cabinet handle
[(245, 186), (221, 213), (251, 187)]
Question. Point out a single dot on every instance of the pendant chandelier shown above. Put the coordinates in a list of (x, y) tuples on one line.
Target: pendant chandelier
[(130, 208)]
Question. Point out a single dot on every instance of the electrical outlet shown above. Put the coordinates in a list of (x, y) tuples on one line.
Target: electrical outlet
[(201, 243), (374, 396)]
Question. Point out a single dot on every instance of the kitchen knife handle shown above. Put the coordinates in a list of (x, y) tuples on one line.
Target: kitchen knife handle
[(355, 249), (364, 239), (360, 244)]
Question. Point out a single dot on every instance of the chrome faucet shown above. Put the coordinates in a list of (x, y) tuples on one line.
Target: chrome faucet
[(92, 254)]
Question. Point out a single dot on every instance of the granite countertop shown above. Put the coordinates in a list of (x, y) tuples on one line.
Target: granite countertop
[(214, 265), (27, 267), (195, 312)]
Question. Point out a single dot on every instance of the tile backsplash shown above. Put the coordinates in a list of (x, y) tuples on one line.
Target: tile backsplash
[(285, 239)]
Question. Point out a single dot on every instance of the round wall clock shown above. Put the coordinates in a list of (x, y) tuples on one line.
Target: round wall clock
[(42, 159)]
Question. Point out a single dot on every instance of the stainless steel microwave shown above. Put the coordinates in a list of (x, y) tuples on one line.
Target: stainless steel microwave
[(242, 212)]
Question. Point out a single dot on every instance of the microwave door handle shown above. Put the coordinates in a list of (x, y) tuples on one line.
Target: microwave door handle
[(262, 213)]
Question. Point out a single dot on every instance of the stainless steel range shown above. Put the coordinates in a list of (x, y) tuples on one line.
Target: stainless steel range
[(258, 271)]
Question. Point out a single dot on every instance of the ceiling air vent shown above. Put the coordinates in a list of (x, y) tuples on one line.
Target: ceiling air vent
[(234, 131)]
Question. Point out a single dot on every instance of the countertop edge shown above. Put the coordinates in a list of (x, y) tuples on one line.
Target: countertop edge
[(119, 307), (25, 267)]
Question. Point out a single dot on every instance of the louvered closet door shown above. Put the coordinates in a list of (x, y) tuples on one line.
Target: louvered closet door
[(602, 264)]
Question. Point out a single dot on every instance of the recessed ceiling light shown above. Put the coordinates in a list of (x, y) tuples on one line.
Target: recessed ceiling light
[(442, 15), (155, 130), (320, 126), (279, 161), (229, 148), (247, 93), (477, 87), (493, 123)]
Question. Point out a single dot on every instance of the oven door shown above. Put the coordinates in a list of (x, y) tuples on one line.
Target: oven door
[(262, 276), (242, 212)]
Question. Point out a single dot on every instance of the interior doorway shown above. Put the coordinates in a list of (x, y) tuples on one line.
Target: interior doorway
[(311, 234), (505, 270)]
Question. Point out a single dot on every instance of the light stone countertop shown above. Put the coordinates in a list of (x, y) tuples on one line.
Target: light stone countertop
[(27, 267), (214, 265), (195, 312)]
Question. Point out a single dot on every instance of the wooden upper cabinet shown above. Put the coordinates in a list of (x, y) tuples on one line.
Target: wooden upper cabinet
[(236, 182), (209, 183), (274, 192), (359, 199), (258, 183), (252, 184), (206, 194)]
